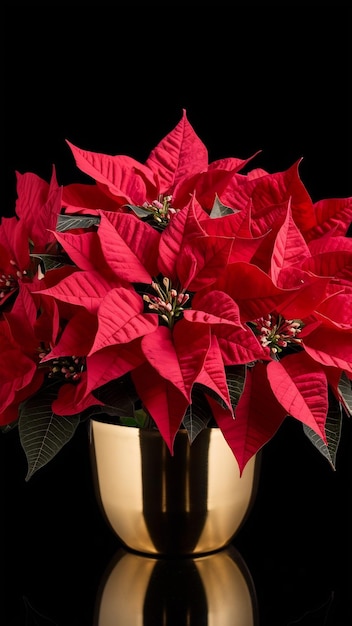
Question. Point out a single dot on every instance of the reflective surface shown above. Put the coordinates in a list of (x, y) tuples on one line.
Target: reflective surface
[(55, 546), (212, 590)]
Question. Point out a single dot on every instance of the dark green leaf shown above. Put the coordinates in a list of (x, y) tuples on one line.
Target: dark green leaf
[(198, 414), (42, 433), (236, 378), (52, 261), (119, 396), (138, 210), (140, 419), (345, 388), (333, 427), (219, 209), (70, 222)]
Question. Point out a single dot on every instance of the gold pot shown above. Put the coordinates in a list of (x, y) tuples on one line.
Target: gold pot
[(190, 503)]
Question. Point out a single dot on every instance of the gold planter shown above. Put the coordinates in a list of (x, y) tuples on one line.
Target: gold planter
[(215, 589), (190, 503)]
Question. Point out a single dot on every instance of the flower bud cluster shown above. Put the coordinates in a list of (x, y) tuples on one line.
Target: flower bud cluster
[(9, 282), (67, 368), (277, 333), (161, 209), (168, 303)]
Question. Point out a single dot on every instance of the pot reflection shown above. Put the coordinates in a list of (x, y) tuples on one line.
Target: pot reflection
[(210, 590)]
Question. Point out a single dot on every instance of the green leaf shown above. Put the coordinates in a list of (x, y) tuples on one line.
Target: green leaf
[(42, 433), (198, 414), (219, 209), (140, 419), (333, 427), (138, 210), (70, 222), (345, 389), (119, 396), (51, 261), (148, 216), (236, 378)]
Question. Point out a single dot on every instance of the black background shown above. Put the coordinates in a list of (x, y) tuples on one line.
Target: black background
[(115, 80)]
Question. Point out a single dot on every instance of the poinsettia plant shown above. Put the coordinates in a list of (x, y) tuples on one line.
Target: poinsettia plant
[(171, 294)]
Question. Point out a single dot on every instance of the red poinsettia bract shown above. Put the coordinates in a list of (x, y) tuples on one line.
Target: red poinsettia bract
[(201, 292)]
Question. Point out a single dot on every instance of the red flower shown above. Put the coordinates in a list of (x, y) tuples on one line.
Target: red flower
[(186, 289), (146, 300), (178, 167), (28, 234), (20, 356)]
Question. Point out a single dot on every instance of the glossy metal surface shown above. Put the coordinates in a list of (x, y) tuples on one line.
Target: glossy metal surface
[(211, 590), (190, 503)]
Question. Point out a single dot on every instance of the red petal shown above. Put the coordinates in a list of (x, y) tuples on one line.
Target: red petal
[(183, 226), (72, 340), (10, 412), (333, 216), (252, 289), (14, 239), (331, 256), (84, 250), (258, 416), (73, 399), (240, 346), (302, 302), (170, 355), (125, 261), (16, 368), (300, 386), (121, 319), (38, 198), (330, 347), (88, 197), (335, 311), (213, 375), (191, 361), (112, 362), (217, 310), (205, 186), (290, 249), (270, 190), (177, 156), (165, 403), (121, 176), (141, 239), (85, 289)]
